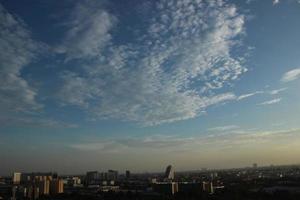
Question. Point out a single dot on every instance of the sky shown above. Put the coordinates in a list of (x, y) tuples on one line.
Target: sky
[(97, 85)]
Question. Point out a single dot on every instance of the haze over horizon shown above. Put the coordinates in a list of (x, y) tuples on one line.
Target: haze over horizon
[(98, 84)]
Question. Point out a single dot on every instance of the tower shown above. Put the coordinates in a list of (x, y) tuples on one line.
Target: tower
[(169, 174)]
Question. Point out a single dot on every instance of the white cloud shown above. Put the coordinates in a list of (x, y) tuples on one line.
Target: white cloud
[(275, 92), (171, 72), (88, 33), (291, 75), (224, 128), (250, 1), (276, 2), (119, 145), (271, 92), (244, 96), (206, 143), (273, 101), (17, 50), (34, 122)]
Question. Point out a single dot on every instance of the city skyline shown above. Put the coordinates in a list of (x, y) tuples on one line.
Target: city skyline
[(138, 85)]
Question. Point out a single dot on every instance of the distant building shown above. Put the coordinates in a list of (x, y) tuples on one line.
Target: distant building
[(44, 187), (30, 177), (92, 177), (112, 175), (127, 174), (207, 186), (108, 188), (57, 186), (153, 180), (168, 188), (35, 184), (189, 187), (76, 181), (254, 165), (16, 178), (169, 174)]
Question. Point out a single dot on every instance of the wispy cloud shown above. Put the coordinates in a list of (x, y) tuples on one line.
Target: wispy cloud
[(273, 101), (152, 79), (89, 31), (291, 75), (275, 2), (277, 91), (244, 96), (17, 50), (34, 122), (159, 143), (224, 128)]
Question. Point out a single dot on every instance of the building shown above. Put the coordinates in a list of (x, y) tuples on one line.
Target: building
[(168, 188), (107, 188), (56, 186), (254, 165), (92, 178), (169, 174), (44, 187), (30, 177), (190, 187), (127, 174), (16, 178), (76, 181), (207, 186), (112, 175)]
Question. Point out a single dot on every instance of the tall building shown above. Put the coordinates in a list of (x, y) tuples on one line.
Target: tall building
[(29, 177), (112, 175), (16, 178), (127, 174), (254, 165), (169, 174), (92, 177), (207, 186), (57, 186), (36, 184), (44, 187)]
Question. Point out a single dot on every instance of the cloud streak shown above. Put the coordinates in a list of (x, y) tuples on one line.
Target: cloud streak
[(157, 143), (291, 75), (244, 96), (270, 102), (224, 128)]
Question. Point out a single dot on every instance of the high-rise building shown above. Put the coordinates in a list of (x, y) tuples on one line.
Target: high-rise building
[(57, 186), (92, 177), (169, 174), (112, 175), (254, 165), (207, 186), (16, 178), (44, 187), (127, 174), (29, 177)]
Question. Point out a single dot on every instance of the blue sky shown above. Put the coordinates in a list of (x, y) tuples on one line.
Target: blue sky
[(141, 84)]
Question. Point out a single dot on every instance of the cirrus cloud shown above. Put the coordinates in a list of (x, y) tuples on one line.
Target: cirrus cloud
[(291, 75), (17, 50), (270, 102), (173, 71)]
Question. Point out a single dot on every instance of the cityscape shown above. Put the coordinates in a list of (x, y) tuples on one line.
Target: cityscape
[(266, 182), (149, 100)]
